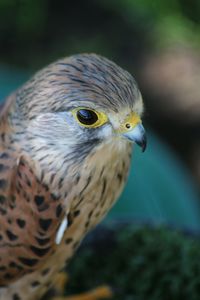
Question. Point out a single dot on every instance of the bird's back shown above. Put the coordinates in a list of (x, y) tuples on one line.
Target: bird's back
[(27, 209)]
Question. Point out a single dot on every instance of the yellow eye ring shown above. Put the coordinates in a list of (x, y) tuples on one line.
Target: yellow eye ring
[(89, 118)]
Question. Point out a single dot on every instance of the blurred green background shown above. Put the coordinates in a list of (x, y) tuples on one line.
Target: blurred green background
[(158, 42)]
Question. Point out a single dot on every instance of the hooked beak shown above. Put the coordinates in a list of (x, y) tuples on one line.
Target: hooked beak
[(137, 135), (132, 129)]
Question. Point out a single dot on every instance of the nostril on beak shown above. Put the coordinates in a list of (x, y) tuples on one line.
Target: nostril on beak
[(128, 125), (137, 135)]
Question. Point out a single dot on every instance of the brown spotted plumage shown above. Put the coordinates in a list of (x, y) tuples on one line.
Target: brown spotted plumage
[(65, 149)]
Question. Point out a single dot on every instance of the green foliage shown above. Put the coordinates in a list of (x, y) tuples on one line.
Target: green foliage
[(139, 264), (166, 22), (26, 17), (35, 32)]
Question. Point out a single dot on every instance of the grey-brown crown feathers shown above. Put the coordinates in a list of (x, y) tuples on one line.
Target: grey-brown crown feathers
[(82, 77)]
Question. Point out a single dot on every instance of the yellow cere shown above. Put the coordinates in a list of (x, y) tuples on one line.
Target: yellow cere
[(101, 117), (129, 123)]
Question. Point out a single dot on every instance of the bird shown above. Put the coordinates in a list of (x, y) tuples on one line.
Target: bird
[(66, 138)]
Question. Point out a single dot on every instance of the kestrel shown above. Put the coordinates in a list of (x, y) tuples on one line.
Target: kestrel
[(65, 147)]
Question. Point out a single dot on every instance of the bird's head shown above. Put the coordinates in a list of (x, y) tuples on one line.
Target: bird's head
[(80, 101)]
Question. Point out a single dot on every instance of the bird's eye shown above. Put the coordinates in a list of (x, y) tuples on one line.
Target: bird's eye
[(86, 116)]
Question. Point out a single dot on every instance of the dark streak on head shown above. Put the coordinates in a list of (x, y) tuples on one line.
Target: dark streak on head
[(75, 80)]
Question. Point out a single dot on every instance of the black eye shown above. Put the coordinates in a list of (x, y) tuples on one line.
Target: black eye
[(87, 117)]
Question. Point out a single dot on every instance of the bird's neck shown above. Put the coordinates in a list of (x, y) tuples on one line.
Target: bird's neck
[(61, 171)]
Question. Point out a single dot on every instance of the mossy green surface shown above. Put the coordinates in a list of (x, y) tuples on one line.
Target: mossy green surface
[(139, 263)]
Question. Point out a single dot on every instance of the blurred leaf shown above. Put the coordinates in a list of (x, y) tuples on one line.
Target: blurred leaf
[(159, 189), (31, 17), (143, 263)]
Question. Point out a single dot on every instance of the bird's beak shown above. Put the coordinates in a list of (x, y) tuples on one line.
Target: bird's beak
[(133, 130), (137, 135)]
